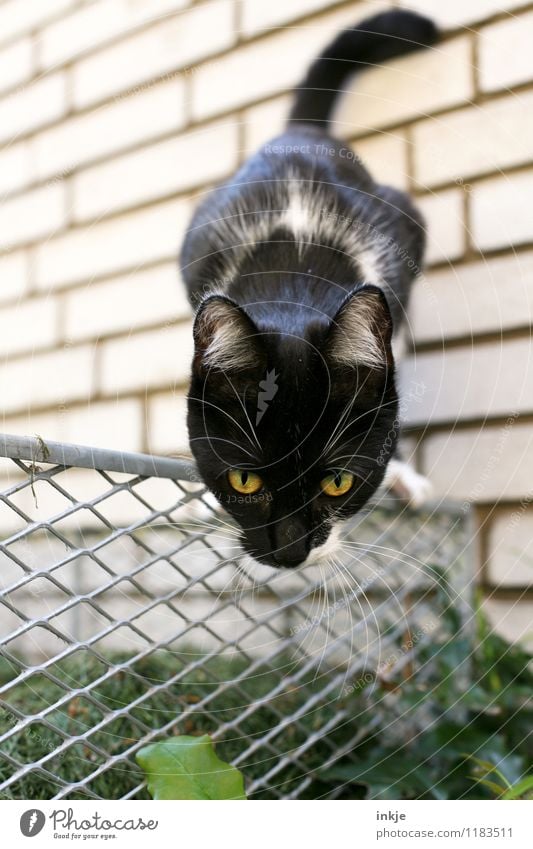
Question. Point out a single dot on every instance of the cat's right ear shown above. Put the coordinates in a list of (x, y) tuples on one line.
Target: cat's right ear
[(225, 338), (361, 332)]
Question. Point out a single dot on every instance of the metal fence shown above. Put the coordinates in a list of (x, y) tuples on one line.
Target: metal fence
[(127, 614)]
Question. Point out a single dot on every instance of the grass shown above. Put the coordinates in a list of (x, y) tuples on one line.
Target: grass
[(433, 733), (176, 704)]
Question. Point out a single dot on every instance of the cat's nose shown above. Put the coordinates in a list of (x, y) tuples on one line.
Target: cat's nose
[(289, 559), (291, 542)]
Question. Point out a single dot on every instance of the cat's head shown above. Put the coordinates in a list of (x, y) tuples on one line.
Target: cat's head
[(292, 430)]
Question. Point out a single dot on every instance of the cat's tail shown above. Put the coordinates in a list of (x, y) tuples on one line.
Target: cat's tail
[(372, 42)]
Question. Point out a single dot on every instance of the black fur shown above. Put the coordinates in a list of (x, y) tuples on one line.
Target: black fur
[(372, 42), (289, 289)]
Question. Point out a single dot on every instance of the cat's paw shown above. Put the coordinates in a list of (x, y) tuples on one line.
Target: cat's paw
[(402, 479)]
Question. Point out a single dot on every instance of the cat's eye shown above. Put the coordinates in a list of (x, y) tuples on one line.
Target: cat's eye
[(337, 483), (244, 482)]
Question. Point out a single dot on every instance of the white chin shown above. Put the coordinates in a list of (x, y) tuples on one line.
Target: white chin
[(329, 548)]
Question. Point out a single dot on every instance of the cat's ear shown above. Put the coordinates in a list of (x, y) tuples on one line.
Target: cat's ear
[(225, 338), (361, 332)]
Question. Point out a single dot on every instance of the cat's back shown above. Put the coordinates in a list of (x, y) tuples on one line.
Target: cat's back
[(316, 189)]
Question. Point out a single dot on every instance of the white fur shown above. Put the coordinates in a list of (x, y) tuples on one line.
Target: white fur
[(415, 489), (368, 260), (297, 216), (400, 343), (355, 340), (330, 548), (229, 348)]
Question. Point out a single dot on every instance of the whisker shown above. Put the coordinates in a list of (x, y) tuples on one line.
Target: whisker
[(245, 411), (225, 413), (228, 441)]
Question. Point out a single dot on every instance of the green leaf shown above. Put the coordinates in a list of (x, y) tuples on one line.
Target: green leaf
[(386, 775), (488, 767), (519, 789), (188, 768), (497, 789)]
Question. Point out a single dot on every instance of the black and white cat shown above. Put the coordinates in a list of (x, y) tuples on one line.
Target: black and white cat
[(300, 268)]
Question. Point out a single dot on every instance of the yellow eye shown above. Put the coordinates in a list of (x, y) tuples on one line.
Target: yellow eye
[(244, 481), (338, 483)]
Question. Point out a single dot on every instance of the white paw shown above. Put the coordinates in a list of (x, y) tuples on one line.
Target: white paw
[(413, 488)]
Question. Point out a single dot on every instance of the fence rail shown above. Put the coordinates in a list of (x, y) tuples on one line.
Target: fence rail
[(127, 613), (36, 450)]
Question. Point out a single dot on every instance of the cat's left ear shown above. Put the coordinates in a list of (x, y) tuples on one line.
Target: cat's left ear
[(225, 337), (361, 332)]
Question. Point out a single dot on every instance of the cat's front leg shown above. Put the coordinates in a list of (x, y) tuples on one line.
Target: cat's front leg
[(403, 480)]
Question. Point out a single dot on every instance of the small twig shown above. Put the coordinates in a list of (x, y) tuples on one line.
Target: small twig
[(34, 469)]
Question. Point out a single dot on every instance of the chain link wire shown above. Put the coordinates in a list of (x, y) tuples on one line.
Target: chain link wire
[(127, 614)]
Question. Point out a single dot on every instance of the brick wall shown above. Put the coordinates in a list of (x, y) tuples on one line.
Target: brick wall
[(115, 115)]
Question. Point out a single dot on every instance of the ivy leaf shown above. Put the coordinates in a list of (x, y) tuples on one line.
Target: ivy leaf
[(188, 768)]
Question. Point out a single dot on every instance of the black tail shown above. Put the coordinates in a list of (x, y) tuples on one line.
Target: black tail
[(372, 42)]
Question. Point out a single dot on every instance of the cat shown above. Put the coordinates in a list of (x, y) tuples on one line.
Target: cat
[(299, 269)]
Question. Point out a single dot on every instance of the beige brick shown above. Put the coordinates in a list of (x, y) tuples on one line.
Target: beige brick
[(457, 386), (28, 326), (505, 57), (258, 15), (155, 359), (167, 423), (116, 424), (496, 134), (162, 49), (481, 465), (33, 215), (161, 169), (128, 242), (34, 106), (110, 424), (408, 449), (34, 423), (443, 213), (501, 211), (150, 11), (13, 274), (512, 619), (73, 34), (15, 167), (126, 303), (92, 26), (410, 87), (16, 64), (510, 547), (17, 18), (123, 123), (33, 382), (480, 297), (457, 13), (385, 156), (265, 121), (239, 78)]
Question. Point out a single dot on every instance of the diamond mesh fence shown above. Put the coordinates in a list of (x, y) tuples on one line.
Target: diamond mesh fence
[(127, 614)]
